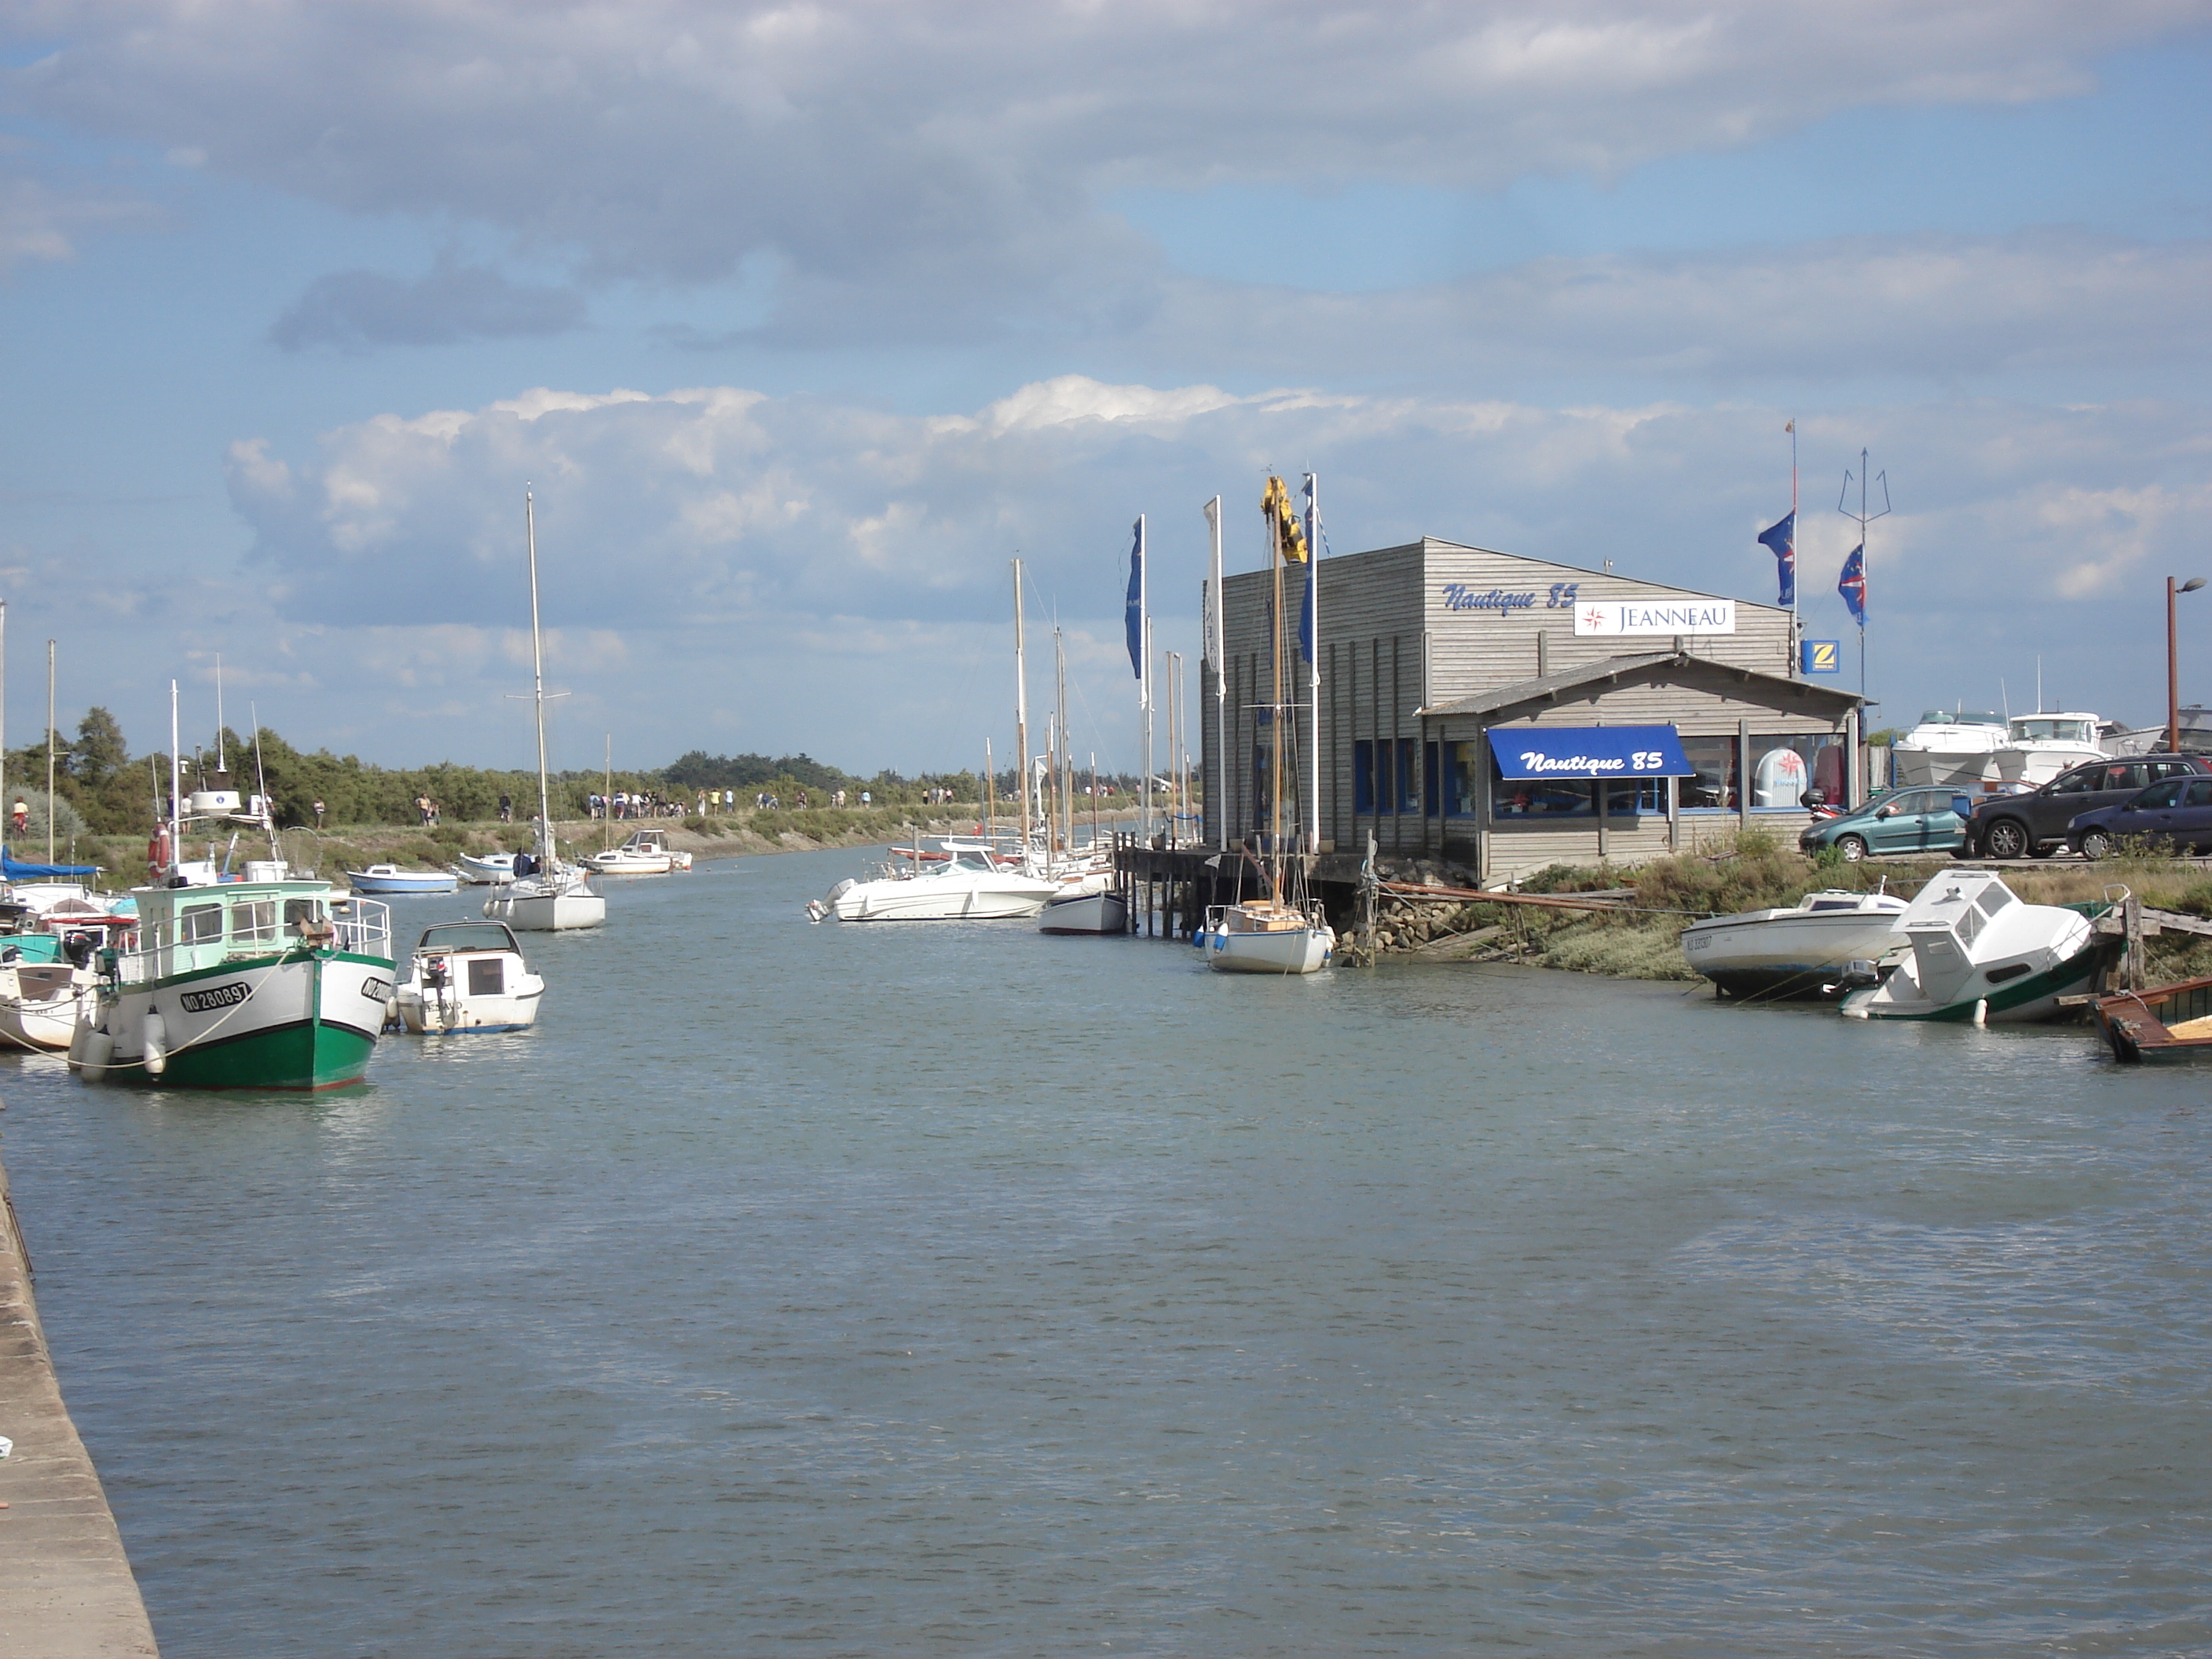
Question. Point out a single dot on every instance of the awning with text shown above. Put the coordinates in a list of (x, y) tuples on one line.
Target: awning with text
[(1589, 751)]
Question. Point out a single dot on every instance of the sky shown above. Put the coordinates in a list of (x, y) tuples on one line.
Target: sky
[(799, 321)]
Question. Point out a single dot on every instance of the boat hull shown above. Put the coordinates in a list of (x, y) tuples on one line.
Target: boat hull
[(305, 1021), (426, 881), (1786, 954), (1085, 913), (1967, 769), (927, 898), (547, 913), (2020, 1001), (1291, 951), (454, 1015)]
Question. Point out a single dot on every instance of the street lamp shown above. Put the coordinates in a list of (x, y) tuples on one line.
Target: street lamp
[(2172, 668)]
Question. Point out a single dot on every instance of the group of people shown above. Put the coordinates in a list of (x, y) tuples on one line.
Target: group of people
[(632, 804), (425, 808)]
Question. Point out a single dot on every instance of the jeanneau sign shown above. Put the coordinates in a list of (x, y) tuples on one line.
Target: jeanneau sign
[(1650, 616)]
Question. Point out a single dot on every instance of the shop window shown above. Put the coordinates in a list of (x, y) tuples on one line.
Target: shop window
[(1636, 797), (1542, 798), (1409, 778), (1714, 788), (1784, 766), (1461, 801), (1362, 775)]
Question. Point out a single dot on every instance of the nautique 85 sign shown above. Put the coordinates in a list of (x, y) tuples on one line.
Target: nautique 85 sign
[(1650, 617)]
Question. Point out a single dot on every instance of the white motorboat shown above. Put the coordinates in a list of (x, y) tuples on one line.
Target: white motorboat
[(1800, 950), (544, 895), (484, 869), (1953, 747), (1263, 937), (646, 853), (2038, 747), (971, 885), (1980, 953), (467, 977)]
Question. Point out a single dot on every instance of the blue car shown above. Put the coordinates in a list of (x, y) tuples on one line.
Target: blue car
[(1903, 821), (2175, 816)]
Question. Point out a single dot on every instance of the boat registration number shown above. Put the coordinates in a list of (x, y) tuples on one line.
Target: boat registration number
[(215, 997)]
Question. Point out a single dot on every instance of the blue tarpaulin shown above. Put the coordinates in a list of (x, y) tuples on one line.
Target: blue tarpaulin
[(1589, 751), (14, 871)]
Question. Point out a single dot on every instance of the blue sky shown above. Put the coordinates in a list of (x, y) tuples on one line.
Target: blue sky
[(294, 299)]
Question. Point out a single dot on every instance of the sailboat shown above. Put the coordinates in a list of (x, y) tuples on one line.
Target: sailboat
[(1282, 931), (549, 897)]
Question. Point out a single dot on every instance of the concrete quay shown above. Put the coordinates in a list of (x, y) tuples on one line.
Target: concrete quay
[(66, 1591)]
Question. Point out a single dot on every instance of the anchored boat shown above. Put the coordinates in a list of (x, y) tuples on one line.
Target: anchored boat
[(386, 879), (467, 977), (1980, 953), (646, 853)]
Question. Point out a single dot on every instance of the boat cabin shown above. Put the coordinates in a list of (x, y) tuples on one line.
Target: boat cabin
[(184, 929), (476, 951)]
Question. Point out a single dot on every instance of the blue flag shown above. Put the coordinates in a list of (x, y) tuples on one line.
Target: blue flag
[(1781, 540), (1137, 600), (1852, 583)]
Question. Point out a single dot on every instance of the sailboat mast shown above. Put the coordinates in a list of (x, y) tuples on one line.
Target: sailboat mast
[(607, 800), (538, 681), (1275, 707), (1060, 752), (1216, 786), (1313, 684), (222, 764), (176, 787), (1021, 713), (990, 794), (3, 707), (50, 751)]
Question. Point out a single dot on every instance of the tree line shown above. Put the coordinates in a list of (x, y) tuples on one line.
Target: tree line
[(117, 793)]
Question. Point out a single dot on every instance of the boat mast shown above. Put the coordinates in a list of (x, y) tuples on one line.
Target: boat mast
[(1066, 812), (607, 800), (4, 709), (1313, 685), (1021, 713), (176, 787), (1275, 708), (1216, 788), (50, 751), (538, 677), (221, 765), (990, 794)]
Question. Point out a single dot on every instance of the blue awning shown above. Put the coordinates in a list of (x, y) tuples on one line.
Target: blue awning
[(1589, 751)]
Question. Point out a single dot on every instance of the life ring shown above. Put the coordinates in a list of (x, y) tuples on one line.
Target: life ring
[(157, 851)]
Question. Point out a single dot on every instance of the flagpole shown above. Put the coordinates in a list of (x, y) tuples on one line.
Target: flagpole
[(1216, 788), (1144, 669)]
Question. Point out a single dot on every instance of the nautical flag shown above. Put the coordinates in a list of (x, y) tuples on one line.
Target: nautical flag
[(1313, 574), (1781, 540), (1282, 522), (1852, 583), (1136, 611)]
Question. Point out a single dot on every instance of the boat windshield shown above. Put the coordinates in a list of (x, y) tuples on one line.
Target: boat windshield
[(468, 936), (970, 859), (2027, 728), (1960, 717)]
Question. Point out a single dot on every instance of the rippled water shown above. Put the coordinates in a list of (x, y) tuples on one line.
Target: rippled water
[(860, 1289)]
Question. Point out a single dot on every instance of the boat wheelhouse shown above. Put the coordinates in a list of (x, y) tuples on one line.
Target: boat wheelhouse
[(244, 985)]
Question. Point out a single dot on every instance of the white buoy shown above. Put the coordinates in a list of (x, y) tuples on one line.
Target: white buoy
[(154, 1040), (1981, 1011)]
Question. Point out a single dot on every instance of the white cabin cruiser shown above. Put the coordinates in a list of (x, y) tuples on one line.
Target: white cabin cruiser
[(467, 977), (1950, 746), (1980, 953), (1800, 950), (646, 853), (2038, 747), (971, 885)]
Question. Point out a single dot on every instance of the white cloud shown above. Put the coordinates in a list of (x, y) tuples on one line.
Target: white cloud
[(915, 167)]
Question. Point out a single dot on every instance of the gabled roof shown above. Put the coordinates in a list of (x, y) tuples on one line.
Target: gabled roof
[(1547, 687)]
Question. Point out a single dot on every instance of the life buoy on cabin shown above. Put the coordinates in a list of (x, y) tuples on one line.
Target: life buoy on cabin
[(157, 851)]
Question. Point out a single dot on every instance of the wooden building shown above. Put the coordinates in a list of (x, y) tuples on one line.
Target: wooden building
[(1503, 713)]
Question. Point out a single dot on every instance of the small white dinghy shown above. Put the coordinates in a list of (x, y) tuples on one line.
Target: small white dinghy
[(1800, 950), (467, 977), (646, 853), (1102, 912), (1980, 954), (484, 869)]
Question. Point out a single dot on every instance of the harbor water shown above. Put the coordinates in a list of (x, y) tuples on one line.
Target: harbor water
[(871, 1290)]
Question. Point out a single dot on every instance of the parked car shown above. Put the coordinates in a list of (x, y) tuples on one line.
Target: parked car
[(1904, 821), (2172, 816), (2036, 823)]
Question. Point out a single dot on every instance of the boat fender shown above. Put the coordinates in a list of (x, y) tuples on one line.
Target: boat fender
[(99, 1051), (154, 1041), (1981, 1011)]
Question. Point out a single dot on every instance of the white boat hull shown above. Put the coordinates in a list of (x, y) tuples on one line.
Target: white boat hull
[(1957, 769), (485, 870), (438, 1010), (1781, 951), (529, 908), (1007, 897), (1291, 950), (33, 1016), (1085, 913)]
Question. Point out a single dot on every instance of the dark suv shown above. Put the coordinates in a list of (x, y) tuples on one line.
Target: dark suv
[(2034, 822)]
